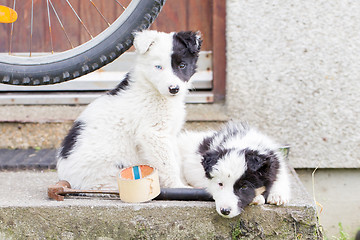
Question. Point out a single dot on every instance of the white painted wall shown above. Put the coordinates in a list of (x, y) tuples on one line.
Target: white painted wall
[(293, 70), (337, 192)]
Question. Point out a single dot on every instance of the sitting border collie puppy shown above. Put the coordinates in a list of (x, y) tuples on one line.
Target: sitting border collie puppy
[(138, 121), (233, 164)]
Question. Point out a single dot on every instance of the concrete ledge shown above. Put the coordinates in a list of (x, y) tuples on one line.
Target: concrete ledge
[(14, 135), (46, 126), (27, 213), (68, 113)]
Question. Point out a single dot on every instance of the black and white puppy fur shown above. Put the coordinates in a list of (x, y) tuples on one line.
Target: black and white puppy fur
[(233, 164), (137, 122)]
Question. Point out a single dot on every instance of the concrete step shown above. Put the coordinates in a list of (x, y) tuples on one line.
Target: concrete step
[(42, 127), (27, 213)]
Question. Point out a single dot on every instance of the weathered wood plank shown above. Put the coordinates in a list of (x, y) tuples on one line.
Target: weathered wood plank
[(200, 19)]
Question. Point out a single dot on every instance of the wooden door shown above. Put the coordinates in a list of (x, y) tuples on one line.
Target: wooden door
[(206, 16)]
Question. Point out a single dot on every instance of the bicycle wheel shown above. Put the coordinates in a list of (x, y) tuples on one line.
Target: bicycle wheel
[(83, 59)]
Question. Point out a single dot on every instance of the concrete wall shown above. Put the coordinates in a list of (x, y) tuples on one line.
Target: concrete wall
[(337, 192), (293, 70)]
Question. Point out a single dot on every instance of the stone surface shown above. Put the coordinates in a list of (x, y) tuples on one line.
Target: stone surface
[(46, 126), (68, 113), (50, 134), (39, 113), (33, 135), (27, 213)]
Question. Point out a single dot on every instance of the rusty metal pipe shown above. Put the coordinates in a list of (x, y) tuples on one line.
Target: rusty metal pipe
[(63, 188)]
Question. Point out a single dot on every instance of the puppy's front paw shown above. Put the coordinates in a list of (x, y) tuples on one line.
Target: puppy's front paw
[(258, 200), (181, 185), (277, 198)]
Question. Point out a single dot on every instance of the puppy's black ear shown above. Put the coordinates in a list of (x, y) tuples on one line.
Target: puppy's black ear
[(192, 40), (254, 160), (210, 158)]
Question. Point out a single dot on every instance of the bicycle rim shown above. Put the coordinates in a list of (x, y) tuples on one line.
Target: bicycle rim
[(88, 57)]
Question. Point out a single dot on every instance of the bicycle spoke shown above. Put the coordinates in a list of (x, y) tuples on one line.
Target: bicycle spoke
[(12, 29), (51, 40), (87, 30), (49, 5), (120, 4), (100, 12), (62, 26), (31, 24)]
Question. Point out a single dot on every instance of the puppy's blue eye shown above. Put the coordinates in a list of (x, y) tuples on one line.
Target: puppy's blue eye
[(244, 187), (158, 67), (182, 65)]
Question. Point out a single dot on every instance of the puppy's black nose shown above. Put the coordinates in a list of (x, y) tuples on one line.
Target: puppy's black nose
[(225, 211), (174, 89)]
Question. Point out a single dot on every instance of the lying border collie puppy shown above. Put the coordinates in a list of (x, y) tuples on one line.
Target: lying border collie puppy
[(233, 164), (138, 121)]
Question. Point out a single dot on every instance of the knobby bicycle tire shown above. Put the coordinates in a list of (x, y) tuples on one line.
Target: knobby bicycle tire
[(85, 58)]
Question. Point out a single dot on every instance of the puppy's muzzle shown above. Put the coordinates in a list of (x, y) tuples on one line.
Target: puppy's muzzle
[(174, 89)]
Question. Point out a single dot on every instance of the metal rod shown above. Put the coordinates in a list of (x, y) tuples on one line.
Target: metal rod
[(82, 23), (62, 26), (184, 194), (62, 188), (12, 29), (120, 4), (51, 41), (100, 12), (31, 24)]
